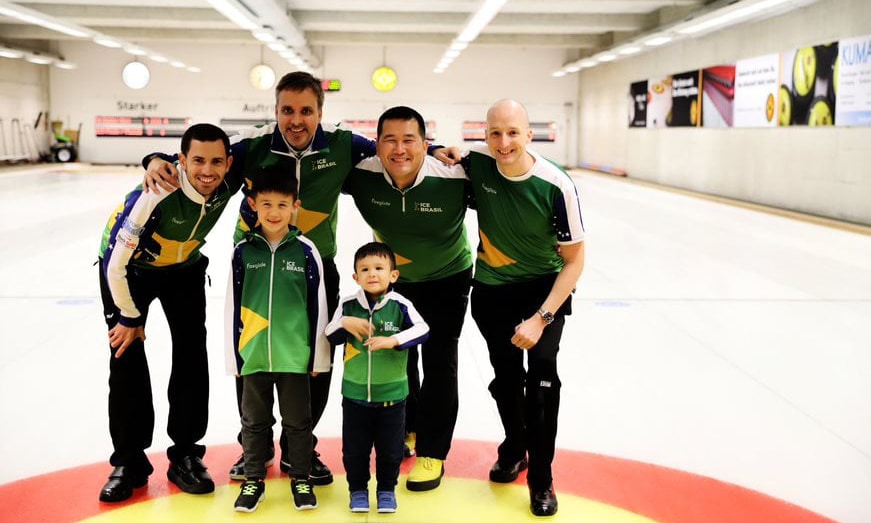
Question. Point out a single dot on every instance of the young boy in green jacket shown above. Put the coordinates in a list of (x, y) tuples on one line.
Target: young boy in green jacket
[(376, 324), (278, 319)]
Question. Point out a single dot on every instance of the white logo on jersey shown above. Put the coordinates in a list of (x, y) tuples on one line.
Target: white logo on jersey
[(389, 327), (380, 203), (291, 266), (322, 163), (177, 221), (252, 266), (426, 207), (488, 189)]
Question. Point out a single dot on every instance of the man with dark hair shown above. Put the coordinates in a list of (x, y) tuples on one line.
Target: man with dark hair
[(151, 250), (416, 205)]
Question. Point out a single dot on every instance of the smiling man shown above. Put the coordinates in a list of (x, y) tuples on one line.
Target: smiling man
[(416, 205), (530, 256), (151, 250), (320, 157)]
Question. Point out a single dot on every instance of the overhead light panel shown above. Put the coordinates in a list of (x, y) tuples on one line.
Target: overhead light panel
[(729, 15), (35, 17), (476, 23), (236, 13)]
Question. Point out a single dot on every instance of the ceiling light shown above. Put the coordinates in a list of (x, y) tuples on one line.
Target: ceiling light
[(558, 74), (39, 59), (136, 51), (574, 68), (35, 17), (264, 35), (194, 69), (589, 63), (657, 40), (176, 63), (480, 19), (730, 16), (107, 42), (629, 50), (10, 53), (65, 65), (476, 23), (235, 13), (158, 58), (606, 57)]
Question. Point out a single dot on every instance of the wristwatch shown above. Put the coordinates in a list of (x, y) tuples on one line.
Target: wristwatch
[(546, 315)]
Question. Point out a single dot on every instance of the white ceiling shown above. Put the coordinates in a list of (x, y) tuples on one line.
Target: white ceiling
[(581, 27)]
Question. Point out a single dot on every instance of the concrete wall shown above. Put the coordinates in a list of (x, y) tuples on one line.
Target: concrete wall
[(478, 78), (823, 171)]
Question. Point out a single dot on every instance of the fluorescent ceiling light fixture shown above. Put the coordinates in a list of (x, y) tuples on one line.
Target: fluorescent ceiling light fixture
[(558, 74), (476, 23), (264, 35), (136, 51), (158, 58), (438, 70), (107, 42), (65, 65), (731, 16), (480, 19), (589, 63), (38, 59), (657, 40), (10, 53), (277, 46), (35, 17), (629, 50), (574, 68), (194, 69), (176, 63), (236, 13), (606, 57)]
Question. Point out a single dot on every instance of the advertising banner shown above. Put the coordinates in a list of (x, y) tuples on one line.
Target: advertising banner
[(685, 94), (852, 82), (718, 96), (756, 88), (638, 104), (807, 90), (658, 101)]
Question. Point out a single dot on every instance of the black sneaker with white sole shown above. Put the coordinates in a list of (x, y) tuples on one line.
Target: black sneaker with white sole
[(303, 494), (251, 494)]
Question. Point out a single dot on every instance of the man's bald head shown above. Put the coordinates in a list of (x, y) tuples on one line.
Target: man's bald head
[(508, 134)]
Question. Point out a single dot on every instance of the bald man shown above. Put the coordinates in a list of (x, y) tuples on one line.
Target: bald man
[(530, 257)]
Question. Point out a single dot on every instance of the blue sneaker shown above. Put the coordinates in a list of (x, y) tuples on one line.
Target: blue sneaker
[(360, 501), (386, 501)]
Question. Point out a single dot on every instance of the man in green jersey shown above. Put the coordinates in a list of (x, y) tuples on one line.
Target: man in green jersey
[(416, 205), (530, 256)]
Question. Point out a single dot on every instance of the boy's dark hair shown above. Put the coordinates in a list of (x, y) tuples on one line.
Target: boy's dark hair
[(375, 249), (300, 81), (204, 132), (401, 112), (274, 178)]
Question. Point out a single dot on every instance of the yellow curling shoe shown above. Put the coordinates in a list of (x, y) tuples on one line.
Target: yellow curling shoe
[(426, 474)]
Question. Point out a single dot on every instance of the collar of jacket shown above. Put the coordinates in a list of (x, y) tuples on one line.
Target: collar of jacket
[(363, 300), (280, 146)]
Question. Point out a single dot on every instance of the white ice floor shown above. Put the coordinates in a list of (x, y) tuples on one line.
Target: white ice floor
[(709, 338)]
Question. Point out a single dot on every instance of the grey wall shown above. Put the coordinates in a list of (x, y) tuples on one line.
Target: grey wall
[(819, 171)]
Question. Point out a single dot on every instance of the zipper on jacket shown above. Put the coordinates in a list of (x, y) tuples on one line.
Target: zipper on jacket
[(269, 308), (369, 354)]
